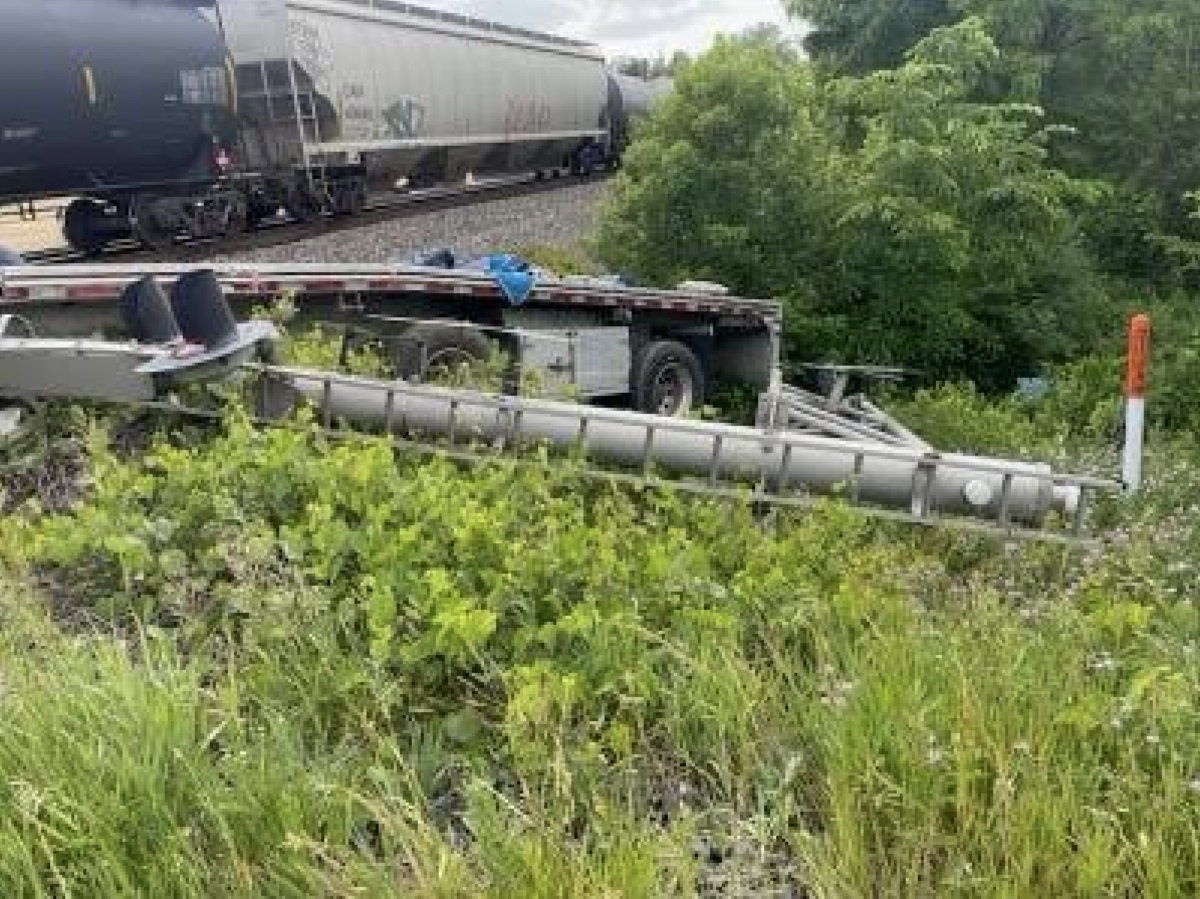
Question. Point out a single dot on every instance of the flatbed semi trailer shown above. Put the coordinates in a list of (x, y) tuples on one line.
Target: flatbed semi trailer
[(658, 351)]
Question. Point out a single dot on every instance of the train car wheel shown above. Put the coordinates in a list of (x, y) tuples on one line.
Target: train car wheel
[(357, 201), (303, 206), (148, 226), (349, 197), (238, 218), (84, 226)]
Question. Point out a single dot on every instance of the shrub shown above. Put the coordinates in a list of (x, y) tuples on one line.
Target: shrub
[(902, 220)]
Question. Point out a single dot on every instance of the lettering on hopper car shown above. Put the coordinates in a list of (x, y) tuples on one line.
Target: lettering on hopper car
[(354, 113), (356, 107)]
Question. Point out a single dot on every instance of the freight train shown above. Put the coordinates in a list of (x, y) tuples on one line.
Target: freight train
[(164, 118)]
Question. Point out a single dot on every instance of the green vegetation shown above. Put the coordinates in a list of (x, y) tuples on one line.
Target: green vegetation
[(237, 662), (1124, 78), (247, 663), (905, 221), (252, 663), (937, 190)]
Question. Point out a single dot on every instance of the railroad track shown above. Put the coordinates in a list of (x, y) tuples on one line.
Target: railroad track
[(278, 233)]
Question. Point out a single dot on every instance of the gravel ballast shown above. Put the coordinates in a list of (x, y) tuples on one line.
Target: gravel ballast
[(562, 219)]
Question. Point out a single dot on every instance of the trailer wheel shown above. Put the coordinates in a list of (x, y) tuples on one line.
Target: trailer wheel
[(668, 379), (437, 352)]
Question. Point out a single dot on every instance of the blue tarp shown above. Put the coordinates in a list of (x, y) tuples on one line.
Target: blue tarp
[(513, 275)]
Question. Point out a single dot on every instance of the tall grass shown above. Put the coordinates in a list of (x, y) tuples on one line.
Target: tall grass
[(325, 670)]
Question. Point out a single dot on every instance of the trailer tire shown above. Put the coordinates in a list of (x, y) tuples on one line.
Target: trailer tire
[(444, 347), (668, 379)]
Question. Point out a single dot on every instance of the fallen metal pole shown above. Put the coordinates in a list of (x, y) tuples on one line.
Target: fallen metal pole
[(926, 484), (779, 466)]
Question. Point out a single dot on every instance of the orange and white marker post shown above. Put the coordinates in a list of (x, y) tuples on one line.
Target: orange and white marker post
[(1135, 401)]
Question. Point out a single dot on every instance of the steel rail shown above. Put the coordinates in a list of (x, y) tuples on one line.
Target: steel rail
[(281, 233)]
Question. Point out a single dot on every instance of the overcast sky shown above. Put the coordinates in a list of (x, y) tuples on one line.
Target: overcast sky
[(628, 27)]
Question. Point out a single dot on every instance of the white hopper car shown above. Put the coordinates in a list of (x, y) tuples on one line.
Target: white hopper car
[(394, 92)]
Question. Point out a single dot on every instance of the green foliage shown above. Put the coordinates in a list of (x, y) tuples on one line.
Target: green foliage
[(558, 260), (321, 346), (645, 67), (318, 347), (1085, 402), (957, 418), (704, 189), (904, 221), (1131, 120), (158, 777), (864, 37)]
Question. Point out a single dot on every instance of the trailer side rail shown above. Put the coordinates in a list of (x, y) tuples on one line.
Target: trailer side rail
[(30, 285)]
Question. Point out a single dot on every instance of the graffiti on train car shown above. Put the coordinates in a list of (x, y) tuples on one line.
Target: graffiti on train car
[(405, 119), (526, 116)]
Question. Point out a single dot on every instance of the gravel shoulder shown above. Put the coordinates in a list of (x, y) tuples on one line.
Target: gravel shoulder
[(563, 219)]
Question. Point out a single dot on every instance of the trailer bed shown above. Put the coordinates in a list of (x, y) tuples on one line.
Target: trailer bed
[(23, 287)]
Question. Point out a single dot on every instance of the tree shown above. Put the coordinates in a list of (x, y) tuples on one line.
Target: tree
[(1125, 77), (644, 67), (902, 219), (696, 198), (858, 36), (769, 35), (680, 59)]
